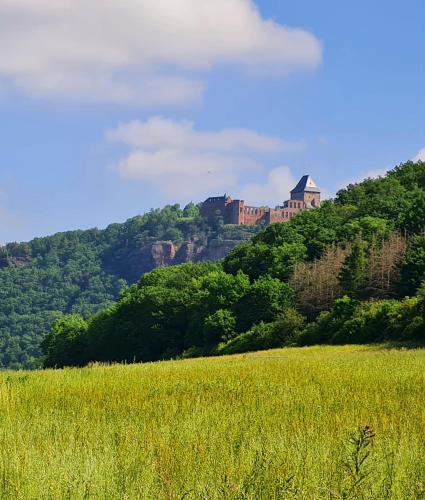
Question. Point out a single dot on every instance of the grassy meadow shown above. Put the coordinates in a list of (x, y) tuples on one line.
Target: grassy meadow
[(287, 423)]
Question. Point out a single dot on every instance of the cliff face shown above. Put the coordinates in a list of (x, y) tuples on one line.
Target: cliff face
[(130, 264), (82, 271), (165, 253)]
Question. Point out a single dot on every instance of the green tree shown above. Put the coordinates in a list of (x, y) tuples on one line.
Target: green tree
[(413, 267), (219, 327), (265, 299), (64, 344), (353, 273), (191, 210)]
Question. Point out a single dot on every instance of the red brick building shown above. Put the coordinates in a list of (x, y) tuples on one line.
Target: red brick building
[(304, 196)]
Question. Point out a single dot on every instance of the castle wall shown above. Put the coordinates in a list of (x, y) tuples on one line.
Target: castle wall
[(313, 199), (236, 212), (307, 198), (255, 215), (215, 206), (277, 215)]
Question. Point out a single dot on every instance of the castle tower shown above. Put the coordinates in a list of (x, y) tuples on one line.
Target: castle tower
[(307, 191)]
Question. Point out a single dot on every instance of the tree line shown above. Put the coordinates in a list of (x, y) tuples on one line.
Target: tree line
[(82, 272), (351, 271)]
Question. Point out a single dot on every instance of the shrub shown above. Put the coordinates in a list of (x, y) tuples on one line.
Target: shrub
[(350, 321), (219, 326), (285, 330)]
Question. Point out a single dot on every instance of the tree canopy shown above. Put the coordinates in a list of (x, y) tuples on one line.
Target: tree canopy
[(83, 272), (348, 265)]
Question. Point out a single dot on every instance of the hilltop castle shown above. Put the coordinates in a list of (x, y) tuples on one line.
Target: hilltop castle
[(304, 196)]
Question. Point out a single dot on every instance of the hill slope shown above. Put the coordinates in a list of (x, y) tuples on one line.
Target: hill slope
[(82, 272), (336, 274)]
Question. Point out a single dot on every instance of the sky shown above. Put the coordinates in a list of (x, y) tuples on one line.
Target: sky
[(109, 109)]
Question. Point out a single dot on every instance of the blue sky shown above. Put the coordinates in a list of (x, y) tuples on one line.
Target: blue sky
[(106, 114)]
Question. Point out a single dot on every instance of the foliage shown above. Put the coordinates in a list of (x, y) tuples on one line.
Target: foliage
[(82, 272), (64, 344), (264, 300), (353, 322), (284, 330), (360, 245), (352, 276), (219, 326), (413, 266), (172, 310)]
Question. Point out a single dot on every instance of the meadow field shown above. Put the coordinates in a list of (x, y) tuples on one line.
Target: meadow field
[(308, 423)]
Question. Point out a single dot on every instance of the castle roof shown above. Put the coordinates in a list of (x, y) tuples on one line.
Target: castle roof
[(306, 184), (223, 199)]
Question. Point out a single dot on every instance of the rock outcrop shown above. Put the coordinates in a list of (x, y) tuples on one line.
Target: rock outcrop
[(165, 253)]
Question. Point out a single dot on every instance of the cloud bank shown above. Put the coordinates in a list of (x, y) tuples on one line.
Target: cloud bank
[(279, 183), (140, 51), (181, 161)]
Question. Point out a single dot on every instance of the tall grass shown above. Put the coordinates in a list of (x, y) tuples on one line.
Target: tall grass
[(289, 423)]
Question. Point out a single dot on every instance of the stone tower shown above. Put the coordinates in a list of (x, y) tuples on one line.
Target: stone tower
[(307, 191)]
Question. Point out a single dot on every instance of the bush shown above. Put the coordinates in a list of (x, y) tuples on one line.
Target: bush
[(285, 330), (219, 327), (350, 321)]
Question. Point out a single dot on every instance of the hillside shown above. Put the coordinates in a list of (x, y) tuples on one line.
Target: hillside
[(81, 272), (288, 423), (351, 271)]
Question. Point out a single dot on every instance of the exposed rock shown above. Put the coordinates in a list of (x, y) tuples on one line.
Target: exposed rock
[(142, 260), (189, 252), (165, 253), (219, 250)]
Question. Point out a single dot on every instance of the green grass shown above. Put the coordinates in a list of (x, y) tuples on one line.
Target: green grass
[(276, 424)]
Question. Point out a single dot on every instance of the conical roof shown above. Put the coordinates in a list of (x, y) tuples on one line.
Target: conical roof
[(306, 184)]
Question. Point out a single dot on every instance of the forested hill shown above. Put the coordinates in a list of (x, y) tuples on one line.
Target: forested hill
[(81, 272), (351, 271)]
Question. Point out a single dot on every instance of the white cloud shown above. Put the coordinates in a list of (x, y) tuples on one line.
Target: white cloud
[(275, 190), (140, 51), (420, 156), (150, 91), (184, 174), (184, 162), (158, 132)]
